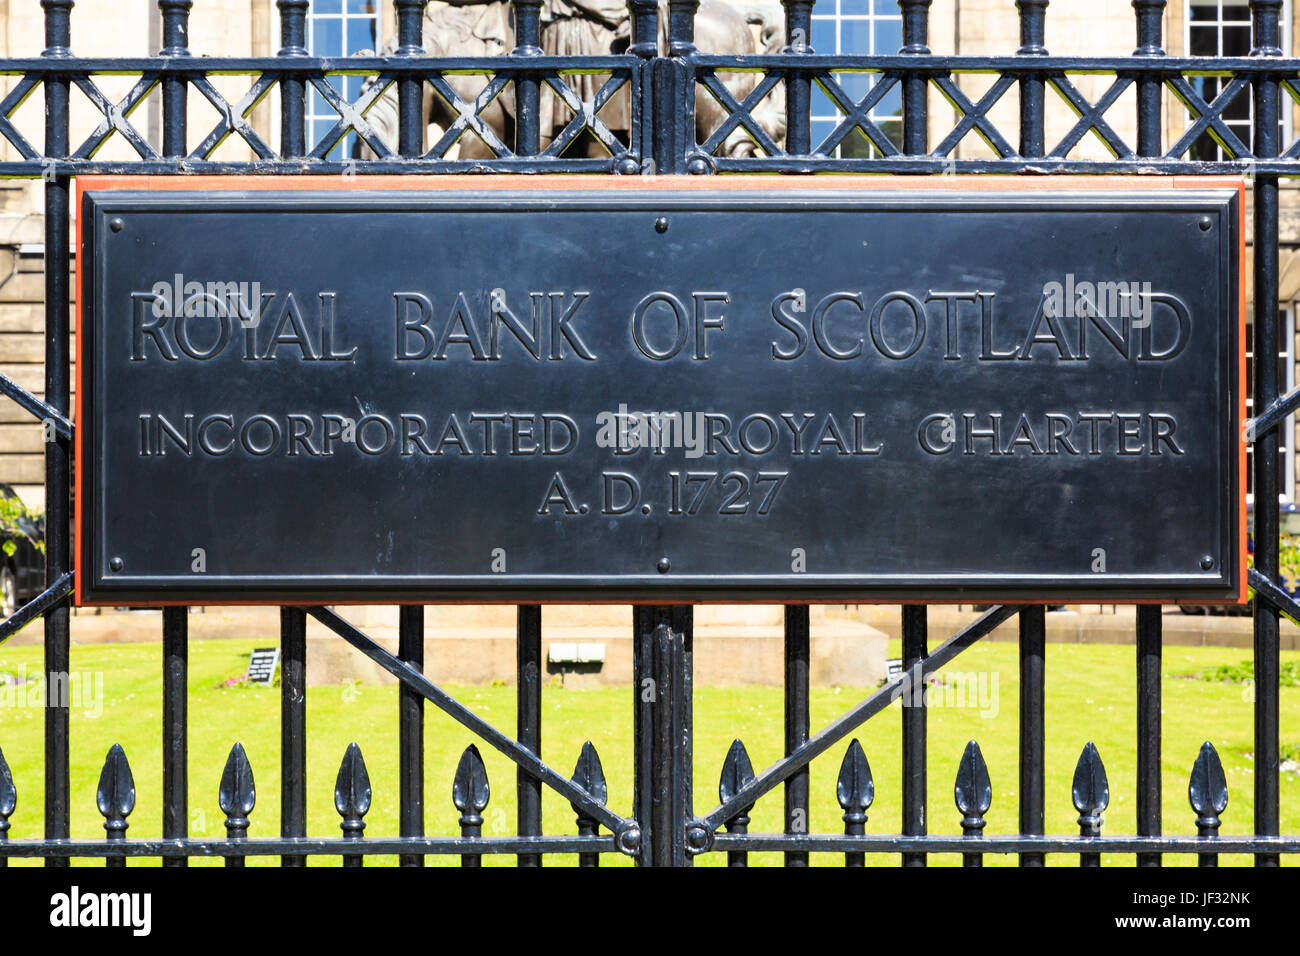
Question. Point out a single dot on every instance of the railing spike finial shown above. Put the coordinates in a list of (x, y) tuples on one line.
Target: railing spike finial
[(737, 772), (590, 776), (470, 793), (1091, 794), (1033, 27), (237, 794), (352, 791), (58, 27), (973, 791), (1091, 789), (8, 795), (469, 790), (115, 795), (855, 789), (1207, 791)]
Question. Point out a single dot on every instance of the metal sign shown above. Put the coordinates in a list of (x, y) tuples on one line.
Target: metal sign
[(262, 665), (721, 393)]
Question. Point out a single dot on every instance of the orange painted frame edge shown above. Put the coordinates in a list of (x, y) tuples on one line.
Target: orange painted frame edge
[(87, 184)]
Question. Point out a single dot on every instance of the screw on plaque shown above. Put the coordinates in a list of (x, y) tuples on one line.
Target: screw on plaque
[(663, 565), (661, 224), (1207, 562), (115, 564), (116, 224), (1205, 223)]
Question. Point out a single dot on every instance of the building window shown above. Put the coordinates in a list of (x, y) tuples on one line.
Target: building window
[(338, 28), (1286, 431), (1222, 28), (857, 28)]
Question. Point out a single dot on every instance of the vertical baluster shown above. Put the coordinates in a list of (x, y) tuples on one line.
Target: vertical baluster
[(644, 16), (662, 684), (8, 801), (1033, 26), (352, 799), (915, 650), (1033, 642), (236, 797), (1148, 726), (293, 727), (410, 89), (293, 89), (115, 798), (528, 42), (974, 796), (176, 822), (1091, 794), (528, 676), (796, 722), (798, 84), (410, 745), (470, 794), (1267, 42), (681, 26), (916, 86), (737, 771), (58, 453), (590, 776), (1207, 792), (855, 790), (1150, 15)]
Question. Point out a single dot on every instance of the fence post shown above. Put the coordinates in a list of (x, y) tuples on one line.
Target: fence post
[(1150, 14), (293, 89), (915, 651), (798, 85), (797, 640), (410, 101), (916, 86), (1033, 698), (528, 42), (293, 727), (410, 745), (58, 452), (1033, 89), (662, 683), (528, 679), (1267, 42)]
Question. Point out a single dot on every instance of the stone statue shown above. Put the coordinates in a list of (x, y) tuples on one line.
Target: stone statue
[(475, 28)]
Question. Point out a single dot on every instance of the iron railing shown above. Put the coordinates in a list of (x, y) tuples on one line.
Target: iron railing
[(663, 75)]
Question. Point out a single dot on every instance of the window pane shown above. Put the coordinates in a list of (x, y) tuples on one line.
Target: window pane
[(326, 37), (887, 8), (855, 37), (361, 35), (823, 36), (327, 6), (362, 6), (889, 36), (1236, 41), (854, 85), (1236, 10), (1205, 41), (852, 8)]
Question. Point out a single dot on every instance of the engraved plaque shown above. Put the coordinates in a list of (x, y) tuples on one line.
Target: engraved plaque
[(741, 391)]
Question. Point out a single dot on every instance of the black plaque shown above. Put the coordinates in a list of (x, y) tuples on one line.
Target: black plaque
[(262, 665), (648, 394)]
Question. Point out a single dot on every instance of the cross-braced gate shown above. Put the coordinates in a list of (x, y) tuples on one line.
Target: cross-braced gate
[(663, 81)]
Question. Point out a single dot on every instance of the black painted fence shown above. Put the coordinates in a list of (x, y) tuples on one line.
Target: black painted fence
[(664, 81)]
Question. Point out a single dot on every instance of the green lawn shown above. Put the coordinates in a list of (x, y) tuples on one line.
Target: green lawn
[(1090, 697)]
